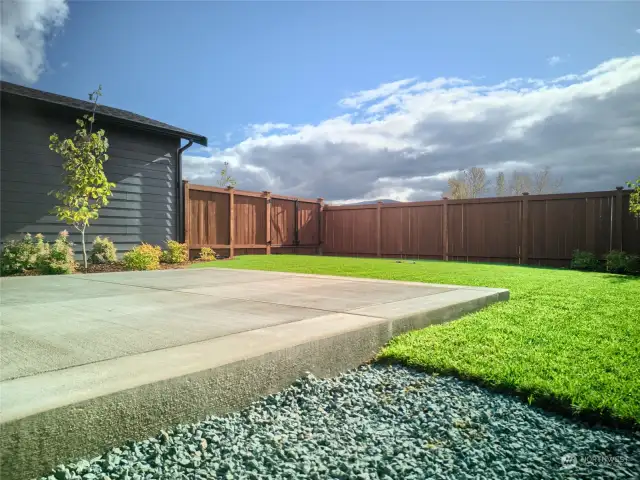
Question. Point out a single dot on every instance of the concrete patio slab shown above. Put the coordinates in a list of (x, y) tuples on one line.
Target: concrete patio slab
[(90, 361)]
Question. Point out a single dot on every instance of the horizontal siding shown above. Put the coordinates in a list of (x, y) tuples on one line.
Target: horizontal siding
[(23, 150), (26, 129), (97, 228), (16, 194), (24, 212), (41, 177), (104, 220), (9, 183), (115, 165), (142, 164)]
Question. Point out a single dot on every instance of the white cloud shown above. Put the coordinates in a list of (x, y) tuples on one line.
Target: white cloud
[(638, 30), (402, 140), (358, 99), (554, 60), (26, 27)]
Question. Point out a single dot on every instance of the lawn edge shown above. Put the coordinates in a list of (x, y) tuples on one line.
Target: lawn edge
[(548, 403)]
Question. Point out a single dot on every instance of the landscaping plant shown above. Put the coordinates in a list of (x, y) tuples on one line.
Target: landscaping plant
[(582, 260), (86, 188), (23, 255), (58, 257), (617, 261), (176, 252), (207, 254), (634, 198), (633, 265), (143, 257), (103, 251), (18, 255), (226, 180)]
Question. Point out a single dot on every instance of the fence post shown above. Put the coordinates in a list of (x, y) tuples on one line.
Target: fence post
[(524, 247), (619, 217), (445, 229), (320, 222), (379, 229), (186, 211), (267, 235), (296, 240), (232, 222)]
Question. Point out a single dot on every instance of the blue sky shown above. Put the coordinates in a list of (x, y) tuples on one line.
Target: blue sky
[(215, 68)]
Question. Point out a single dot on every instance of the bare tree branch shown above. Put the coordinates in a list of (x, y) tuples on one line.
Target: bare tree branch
[(542, 182), (520, 183), (500, 185), (471, 183)]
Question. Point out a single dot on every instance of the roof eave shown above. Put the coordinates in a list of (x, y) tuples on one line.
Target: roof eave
[(199, 139)]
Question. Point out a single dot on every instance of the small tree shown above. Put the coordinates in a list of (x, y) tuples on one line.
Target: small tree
[(225, 179), (500, 185), (457, 188), (471, 183), (541, 182), (86, 188), (545, 182), (634, 198)]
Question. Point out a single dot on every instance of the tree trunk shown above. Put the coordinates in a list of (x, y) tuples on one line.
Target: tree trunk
[(84, 250)]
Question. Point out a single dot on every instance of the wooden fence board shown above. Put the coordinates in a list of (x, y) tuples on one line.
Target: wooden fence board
[(532, 229), (529, 229), (282, 222), (250, 220), (234, 222)]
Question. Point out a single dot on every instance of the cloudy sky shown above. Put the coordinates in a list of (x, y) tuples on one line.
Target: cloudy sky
[(353, 101)]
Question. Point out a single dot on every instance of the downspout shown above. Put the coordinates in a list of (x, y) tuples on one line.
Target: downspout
[(179, 207)]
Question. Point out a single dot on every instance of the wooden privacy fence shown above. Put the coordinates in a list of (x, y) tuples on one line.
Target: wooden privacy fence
[(236, 222), (528, 229)]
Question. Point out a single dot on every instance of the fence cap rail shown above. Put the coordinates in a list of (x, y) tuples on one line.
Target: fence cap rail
[(470, 201), (247, 193)]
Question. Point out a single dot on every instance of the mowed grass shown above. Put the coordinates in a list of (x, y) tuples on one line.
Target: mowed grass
[(565, 339)]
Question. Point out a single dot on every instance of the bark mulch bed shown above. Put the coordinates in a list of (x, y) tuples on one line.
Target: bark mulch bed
[(119, 267)]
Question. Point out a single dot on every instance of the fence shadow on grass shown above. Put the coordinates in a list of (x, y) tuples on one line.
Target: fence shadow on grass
[(623, 278)]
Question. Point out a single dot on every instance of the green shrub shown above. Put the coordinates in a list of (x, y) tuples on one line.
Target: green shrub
[(582, 260), (143, 257), (617, 261), (57, 258), (16, 255), (633, 266), (103, 251), (207, 254), (41, 250), (22, 255), (176, 252)]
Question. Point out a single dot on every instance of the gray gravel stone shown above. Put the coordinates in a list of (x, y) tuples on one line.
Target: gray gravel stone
[(376, 422)]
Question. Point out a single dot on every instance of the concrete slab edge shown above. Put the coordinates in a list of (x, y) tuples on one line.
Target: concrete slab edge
[(32, 445)]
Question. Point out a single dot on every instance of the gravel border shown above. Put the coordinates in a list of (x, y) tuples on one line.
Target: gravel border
[(376, 422)]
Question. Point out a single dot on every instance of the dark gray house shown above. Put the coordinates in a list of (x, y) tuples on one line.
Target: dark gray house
[(144, 162)]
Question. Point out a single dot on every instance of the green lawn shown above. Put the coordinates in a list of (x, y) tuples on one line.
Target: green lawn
[(564, 339)]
